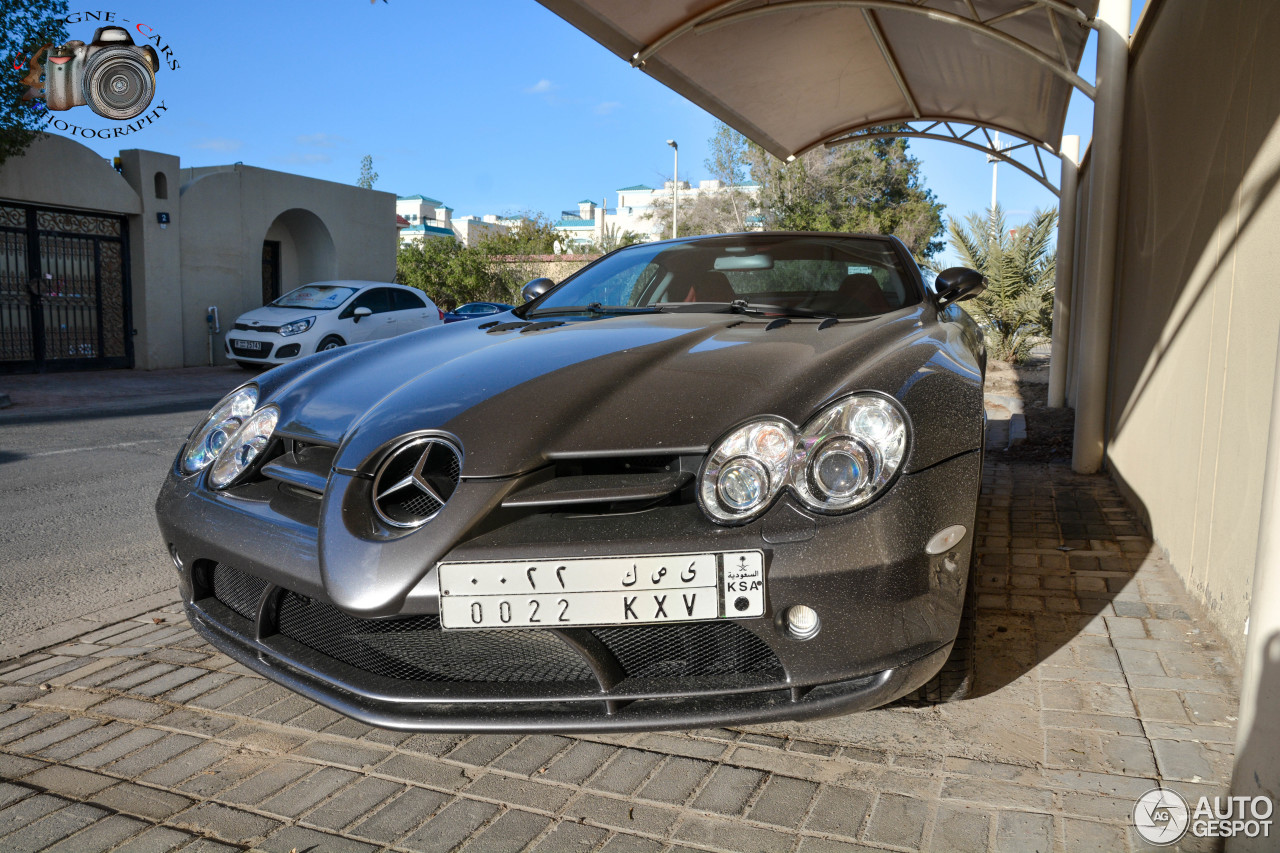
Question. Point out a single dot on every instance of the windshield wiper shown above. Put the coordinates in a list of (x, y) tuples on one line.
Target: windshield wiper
[(595, 309), (742, 306)]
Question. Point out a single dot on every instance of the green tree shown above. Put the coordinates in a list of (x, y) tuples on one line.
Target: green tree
[(534, 235), (452, 274), (1016, 310), (873, 187), (613, 238), (368, 177), (27, 28)]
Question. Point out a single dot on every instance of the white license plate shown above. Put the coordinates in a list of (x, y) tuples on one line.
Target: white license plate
[(249, 344), (602, 591)]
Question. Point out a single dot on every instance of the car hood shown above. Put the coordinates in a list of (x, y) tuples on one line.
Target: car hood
[(648, 384), (270, 315)]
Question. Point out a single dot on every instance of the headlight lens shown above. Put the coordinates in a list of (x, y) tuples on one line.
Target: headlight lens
[(746, 470), (242, 448), (841, 459), (297, 327), (211, 435)]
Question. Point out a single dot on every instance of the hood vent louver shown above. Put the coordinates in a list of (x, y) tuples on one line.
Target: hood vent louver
[(546, 324), (777, 324), (488, 325), (507, 327), (827, 323)]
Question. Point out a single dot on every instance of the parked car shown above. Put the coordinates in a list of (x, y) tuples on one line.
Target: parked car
[(703, 481), (475, 309), (324, 316)]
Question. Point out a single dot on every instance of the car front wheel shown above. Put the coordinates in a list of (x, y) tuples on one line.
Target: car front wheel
[(331, 342)]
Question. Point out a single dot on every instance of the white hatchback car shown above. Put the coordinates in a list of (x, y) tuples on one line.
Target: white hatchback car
[(326, 315)]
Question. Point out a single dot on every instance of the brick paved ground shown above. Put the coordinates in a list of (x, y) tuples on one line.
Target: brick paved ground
[(1094, 682)]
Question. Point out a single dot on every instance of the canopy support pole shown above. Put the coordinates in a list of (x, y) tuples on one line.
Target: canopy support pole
[(1098, 281), (1064, 270)]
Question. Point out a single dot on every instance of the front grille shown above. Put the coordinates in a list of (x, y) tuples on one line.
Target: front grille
[(238, 348), (237, 590), (415, 649), (687, 650), (245, 327)]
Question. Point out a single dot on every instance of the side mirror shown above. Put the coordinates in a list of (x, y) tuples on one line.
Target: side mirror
[(360, 312), (957, 284), (536, 288)]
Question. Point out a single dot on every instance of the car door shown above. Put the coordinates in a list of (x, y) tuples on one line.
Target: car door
[(411, 312), (355, 329)]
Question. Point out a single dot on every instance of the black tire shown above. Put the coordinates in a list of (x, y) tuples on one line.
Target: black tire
[(331, 342), (249, 365), (955, 680)]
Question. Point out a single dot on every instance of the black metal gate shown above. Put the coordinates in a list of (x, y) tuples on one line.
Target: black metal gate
[(64, 290)]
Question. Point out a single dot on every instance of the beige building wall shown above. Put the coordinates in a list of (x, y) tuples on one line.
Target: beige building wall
[(1197, 309)]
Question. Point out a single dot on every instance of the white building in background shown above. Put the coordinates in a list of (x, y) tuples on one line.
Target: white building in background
[(634, 211), (431, 219)]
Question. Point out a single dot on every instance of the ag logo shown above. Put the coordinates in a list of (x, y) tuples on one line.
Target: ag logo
[(1161, 816)]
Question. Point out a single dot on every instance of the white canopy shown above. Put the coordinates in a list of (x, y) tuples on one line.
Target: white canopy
[(793, 74)]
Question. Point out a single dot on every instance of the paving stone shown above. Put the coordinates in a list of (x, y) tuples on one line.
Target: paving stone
[(86, 740), (1091, 837), (226, 694), (732, 835), (1024, 832), (1209, 708), (10, 793), (131, 740), (1186, 760), (41, 834), (153, 755), (520, 792), (571, 837), (689, 747), (577, 763), (69, 782), (898, 820), (961, 829), (270, 781), (285, 709), (33, 743), (400, 816), (676, 780), (993, 793), (622, 843), (342, 753), (168, 681), (424, 771), (20, 722), (149, 803), (531, 754), (139, 676), (784, 801), (353, 803), (292, 839), (839, 811), (174, 771), (305, 793), (66, 699), (219, 777), (206, 683), (512, 832), (100, 837), (234, 825), (623, 815), (626, 772), (729, 790)]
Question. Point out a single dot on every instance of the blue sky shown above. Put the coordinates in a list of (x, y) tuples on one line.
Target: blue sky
[(492, 106)]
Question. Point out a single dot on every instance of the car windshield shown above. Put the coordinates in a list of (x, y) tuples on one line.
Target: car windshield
[(321, 297), (807, 275)]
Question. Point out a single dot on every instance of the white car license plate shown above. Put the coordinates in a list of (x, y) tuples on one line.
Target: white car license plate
[(602, 591), (248, 344)]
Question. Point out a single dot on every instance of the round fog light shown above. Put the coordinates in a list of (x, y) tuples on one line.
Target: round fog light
[(743, 484), (802, 622)]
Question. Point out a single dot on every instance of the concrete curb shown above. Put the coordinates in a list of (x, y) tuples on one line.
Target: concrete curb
[(114, 408)]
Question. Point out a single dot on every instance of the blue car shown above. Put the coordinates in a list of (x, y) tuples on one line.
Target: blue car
[(475, 309)]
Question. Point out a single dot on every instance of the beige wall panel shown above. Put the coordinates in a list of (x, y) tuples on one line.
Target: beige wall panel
[(1196, 309)]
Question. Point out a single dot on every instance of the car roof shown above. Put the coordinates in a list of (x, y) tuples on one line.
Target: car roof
[(352, 282)]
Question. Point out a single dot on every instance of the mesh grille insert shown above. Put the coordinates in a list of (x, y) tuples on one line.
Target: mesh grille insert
[(237, 590), (692, 649), (415, 649)]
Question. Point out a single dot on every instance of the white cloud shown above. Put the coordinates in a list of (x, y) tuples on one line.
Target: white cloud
[(308, 157), (541, 87), (320, 140), (606, 107), (219, 144)]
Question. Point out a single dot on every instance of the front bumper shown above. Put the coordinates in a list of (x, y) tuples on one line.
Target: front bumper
[(266, 348), (889, 615)]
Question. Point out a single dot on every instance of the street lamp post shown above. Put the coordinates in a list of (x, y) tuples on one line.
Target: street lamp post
[(675, 189)]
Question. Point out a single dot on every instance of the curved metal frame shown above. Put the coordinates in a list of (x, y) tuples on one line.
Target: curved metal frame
[(950, 134), (716, 17)]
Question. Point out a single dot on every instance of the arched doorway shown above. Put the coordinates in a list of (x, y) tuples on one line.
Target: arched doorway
[(296, 249)]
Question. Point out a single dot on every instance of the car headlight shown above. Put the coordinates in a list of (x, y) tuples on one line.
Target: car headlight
[(207, 440), (840, 460), (297, 327), (243, 447)]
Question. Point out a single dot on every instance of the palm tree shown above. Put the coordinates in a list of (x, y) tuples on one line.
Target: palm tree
[(1016, 310)]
